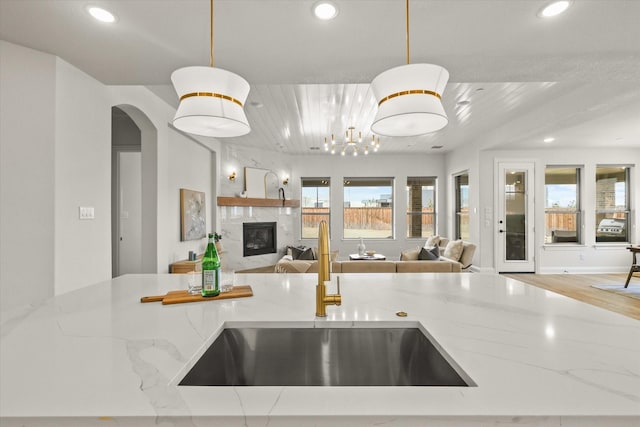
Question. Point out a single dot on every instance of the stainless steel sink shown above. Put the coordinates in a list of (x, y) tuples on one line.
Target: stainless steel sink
[(324, 357)]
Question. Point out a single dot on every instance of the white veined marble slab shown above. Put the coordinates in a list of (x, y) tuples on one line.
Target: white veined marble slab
[(98, 356)]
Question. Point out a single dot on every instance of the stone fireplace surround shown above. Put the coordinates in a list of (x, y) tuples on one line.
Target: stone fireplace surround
[(232, 219)]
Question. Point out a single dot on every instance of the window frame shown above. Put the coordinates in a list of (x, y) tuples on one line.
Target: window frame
[(423, 180), (382, 182), (325, 182), (578, 211), (457, 208), (627, 206)]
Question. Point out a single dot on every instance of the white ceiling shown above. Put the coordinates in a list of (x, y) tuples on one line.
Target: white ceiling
[(575, 77)]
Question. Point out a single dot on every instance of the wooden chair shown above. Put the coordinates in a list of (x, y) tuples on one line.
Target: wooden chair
[(635, 267)]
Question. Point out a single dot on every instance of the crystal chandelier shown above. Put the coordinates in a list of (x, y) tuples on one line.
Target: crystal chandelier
[(352, 144)]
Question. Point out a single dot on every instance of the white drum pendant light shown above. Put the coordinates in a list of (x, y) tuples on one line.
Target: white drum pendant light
[(409, 98), (211, 100)]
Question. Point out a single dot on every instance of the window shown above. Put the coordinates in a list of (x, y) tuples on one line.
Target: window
[(461, 183), (562, 212), (421, 206), (612, 204), (315, 205), (368, 208)]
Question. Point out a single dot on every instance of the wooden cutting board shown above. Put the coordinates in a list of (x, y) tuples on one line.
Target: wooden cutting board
[(181, 296)]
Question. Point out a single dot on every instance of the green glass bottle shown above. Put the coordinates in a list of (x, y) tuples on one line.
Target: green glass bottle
[(210, 270)]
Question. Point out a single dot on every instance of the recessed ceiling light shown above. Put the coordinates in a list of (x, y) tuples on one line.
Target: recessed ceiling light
[(101, 14), (325, 10), (549, 139), (554, 8)]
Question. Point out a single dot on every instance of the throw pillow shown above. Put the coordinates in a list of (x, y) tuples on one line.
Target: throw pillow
[(429, 254), (454, 250), (333, 256), (410, 254), (432, 241), (302, 252)]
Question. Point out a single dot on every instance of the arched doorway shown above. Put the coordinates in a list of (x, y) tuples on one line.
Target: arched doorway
[(134, 192)]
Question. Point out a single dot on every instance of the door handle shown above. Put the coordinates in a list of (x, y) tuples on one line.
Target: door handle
[(501, 231)]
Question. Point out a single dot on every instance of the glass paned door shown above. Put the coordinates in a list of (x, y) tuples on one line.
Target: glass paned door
[(515, 218)]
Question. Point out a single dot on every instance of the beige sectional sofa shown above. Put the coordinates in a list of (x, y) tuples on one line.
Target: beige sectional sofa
[(408, 263), (300, 266)]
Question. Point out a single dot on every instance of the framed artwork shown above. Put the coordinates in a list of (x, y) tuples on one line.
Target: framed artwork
[(193, 221)]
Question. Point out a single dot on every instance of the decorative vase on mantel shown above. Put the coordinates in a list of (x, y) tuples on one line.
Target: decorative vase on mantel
[(217, 237), (361, 247)]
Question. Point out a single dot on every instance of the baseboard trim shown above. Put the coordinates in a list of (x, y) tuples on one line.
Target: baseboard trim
[(583, 270)]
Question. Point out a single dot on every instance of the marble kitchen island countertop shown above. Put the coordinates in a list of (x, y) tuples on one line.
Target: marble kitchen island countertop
[(97, 356)]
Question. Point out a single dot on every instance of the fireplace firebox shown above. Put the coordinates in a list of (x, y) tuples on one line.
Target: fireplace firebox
[(259, 238)]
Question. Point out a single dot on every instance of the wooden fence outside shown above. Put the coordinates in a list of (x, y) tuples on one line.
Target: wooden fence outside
[(560, 221), (374, 218)]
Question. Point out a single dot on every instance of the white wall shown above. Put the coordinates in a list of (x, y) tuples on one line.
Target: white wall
[(27, 141), (82, 178), (191, 168)]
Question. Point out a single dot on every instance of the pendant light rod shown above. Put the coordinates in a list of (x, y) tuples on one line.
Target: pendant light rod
[(407, 9), (211, 34)]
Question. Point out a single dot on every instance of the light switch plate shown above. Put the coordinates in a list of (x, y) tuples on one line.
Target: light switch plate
[(87, 212)]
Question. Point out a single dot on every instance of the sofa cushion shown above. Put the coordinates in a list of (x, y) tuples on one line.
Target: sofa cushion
[(466, 259), (334, 254), (287, 265), (302, 252), (410, 254), (295, 266), (429, 254), (368, 266), (427, 267), (454, 250), (336, 267), (432, 241)]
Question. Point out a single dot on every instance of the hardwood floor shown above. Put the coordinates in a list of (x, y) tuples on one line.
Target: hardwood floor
[(578, 286)]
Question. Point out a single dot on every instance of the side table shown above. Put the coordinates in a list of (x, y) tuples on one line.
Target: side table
[(374, 257)]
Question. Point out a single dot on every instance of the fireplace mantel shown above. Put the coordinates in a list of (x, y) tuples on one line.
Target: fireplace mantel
[(249, 201)]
